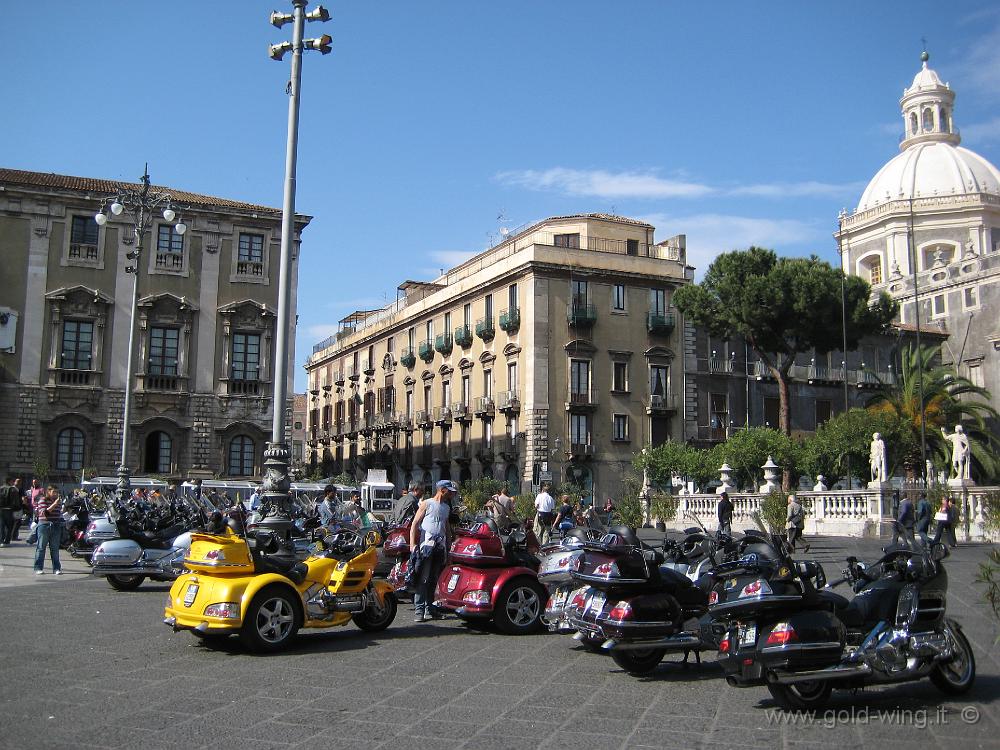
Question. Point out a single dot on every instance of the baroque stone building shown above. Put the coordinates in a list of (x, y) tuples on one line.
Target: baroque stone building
[(205, 332), (927, 231), (550, 355)]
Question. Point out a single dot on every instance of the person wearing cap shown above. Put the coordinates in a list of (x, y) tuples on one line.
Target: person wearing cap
[(407, 505), (430, 528)]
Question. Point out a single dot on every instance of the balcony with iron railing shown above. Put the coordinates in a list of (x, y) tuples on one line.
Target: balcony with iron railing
[(368, 366), (581, 315), (510, 319), (720, 365), (509, 401), (426, 350), (581, 450), (442, 415), (484, 406), (407, 358), (245, 383), (581, 399), (423, 418), (405, 421), (660, 322), (443, 343), (463, 336), (75, 378), (338, 377), (169, 261), (351, 372), (509, 447), (80, 251), (485, 329), (461, 412), (661, 403), (442, 453), (163, 383)]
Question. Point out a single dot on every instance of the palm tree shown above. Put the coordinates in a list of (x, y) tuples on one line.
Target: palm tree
[(948, 399)]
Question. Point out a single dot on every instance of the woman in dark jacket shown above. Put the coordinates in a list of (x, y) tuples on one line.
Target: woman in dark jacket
[(923, 524)]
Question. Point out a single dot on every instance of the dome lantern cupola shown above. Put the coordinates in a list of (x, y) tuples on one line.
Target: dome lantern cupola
[(927, 109)]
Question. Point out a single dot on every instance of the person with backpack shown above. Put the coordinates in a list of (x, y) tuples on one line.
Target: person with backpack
[(796, 518)]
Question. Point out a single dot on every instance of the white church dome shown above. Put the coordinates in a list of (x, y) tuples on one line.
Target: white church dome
[(931, 163), (928, 169)]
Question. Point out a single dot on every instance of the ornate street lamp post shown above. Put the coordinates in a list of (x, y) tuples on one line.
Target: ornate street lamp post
[(139, 204), (276, 456)]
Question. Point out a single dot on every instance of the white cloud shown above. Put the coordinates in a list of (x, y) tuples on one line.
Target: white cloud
[(319, 331), (981, 66), (603, 184), (807, 189), (709, 234), (646, 185), (451, 258), (982, 132)]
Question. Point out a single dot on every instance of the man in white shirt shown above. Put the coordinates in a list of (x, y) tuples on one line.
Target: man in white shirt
[(544, 507)]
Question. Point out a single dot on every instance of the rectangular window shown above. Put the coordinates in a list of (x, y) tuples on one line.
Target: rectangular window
[(719, 418), (389, 345), (619, 380), (824, 410), (447, 323), (83, 238), (430, 331), (467, 315), (512, 296), (618, 297), (466, 391), (446, 394), (246, 356), (619, 427), (77, 345), (411, 339), (487, 382), (938, 306), (631, 247), (169, 248), (975, 370), (579, 383), (970, 298), (251, 247), (163, 343), (512, 376), (659, 380), (657, 301), (567, 240), (578, 293), (579, 429), (771, 408), (489, 307), (428, 401), (409, 403), (875, 272)]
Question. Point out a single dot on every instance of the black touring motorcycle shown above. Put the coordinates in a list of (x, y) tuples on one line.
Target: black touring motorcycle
[(787, 630)]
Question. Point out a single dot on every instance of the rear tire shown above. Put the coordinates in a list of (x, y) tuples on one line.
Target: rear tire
[(376, 618), (271, 621), (802, 696), (956, 676), (518, 609), (639, 662), (125, 583)]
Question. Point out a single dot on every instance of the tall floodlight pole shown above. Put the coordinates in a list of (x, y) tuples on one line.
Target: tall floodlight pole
[(843, 323), (276, 456), (139, 203)]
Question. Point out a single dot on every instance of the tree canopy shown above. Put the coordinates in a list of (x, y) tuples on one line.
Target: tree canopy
[(783, 307)]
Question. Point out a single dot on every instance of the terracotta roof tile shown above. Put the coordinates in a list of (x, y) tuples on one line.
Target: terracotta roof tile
[(108, 187)]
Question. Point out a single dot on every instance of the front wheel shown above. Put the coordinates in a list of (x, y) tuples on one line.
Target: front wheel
[(270, 623), (125, 583), (956, 676), (639, 662), (377, 617), (518, 609), (802, 696)]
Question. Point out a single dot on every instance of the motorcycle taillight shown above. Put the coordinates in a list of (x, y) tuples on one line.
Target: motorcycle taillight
[(781, 634), (621, 611)]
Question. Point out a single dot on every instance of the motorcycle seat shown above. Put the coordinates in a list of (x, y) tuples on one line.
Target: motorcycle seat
[(837, 601)]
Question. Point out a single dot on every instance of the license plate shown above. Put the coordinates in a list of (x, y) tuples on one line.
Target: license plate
[(190, 594), (595, 603), (748, 634), (452, 582), (559, 599)]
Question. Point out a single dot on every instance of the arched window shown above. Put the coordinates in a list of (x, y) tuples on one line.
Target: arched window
[(913, 123), (69, 449), (159, 453), (928, 119), (872, 267), (241, 455)]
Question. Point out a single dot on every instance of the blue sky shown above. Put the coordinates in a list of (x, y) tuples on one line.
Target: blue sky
[(735, 123)]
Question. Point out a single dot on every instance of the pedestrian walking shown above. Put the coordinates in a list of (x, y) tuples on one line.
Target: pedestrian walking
[(430, 529), (923, 524), (544, 507), (725, 512), (10, 503), (564, 519), (609, 508), (796, 522), (906, 519), (946, 518), (48, 511)]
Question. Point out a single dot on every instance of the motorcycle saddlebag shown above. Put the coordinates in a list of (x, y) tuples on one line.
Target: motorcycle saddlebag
[(117, 552), (809, 639)]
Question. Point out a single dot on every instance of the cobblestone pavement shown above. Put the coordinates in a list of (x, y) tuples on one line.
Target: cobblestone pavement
[(85, 666)]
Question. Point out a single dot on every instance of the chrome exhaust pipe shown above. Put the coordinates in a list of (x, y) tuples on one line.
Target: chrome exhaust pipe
[(578, 635), (839, 672), (673, 643)]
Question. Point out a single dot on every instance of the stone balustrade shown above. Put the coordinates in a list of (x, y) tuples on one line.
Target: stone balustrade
[(867, 512)]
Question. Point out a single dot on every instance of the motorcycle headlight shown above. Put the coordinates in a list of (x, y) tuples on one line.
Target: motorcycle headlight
[(906, 606)]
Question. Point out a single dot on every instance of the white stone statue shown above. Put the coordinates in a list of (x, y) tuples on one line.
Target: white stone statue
[(959, 453), (877, 458), (820, 485)]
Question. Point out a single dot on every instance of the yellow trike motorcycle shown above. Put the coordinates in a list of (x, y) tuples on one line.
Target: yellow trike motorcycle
[(257, 587)]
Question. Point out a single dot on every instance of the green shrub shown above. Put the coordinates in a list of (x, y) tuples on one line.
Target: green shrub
[(476, 492), (524, 507), (774, 511), (663, 506)]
